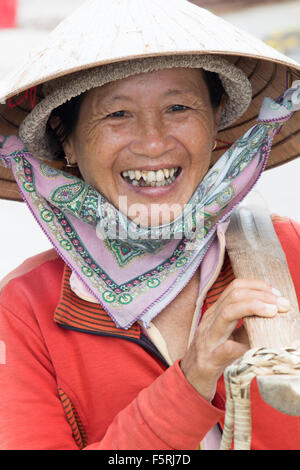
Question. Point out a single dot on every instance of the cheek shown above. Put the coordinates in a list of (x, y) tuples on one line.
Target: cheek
[(197, 139), (97, 152)]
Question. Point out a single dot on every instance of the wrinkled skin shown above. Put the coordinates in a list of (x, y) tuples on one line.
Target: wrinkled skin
[(150, 121)]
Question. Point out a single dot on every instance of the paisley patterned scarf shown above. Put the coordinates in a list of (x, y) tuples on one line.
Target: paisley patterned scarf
[(135, 272)]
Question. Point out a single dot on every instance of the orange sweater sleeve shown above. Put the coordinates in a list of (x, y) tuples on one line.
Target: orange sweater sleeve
[(168, 414), (28, 265), (31, 415)]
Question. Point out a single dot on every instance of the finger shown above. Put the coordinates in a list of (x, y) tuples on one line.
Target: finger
[(227, 318), (267, 297), (233, 292)]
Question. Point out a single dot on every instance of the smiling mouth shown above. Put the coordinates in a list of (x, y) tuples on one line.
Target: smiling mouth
[(152, 178)]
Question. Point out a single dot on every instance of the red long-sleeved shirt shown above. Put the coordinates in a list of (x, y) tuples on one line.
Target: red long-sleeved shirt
[(62, 388)]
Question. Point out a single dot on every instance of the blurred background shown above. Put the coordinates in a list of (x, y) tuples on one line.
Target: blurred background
[(26, 23)]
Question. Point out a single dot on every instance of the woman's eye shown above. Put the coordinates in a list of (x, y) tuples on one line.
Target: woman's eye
[(117, 114), (178, 107)]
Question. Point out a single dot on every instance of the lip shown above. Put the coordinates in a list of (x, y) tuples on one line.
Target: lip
[(154, 191)]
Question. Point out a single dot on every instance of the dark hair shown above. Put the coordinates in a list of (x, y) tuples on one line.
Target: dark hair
[(215, 88), (64, 118)]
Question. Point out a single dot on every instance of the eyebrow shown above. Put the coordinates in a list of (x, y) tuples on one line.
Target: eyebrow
[(178, 92), (119, 98)]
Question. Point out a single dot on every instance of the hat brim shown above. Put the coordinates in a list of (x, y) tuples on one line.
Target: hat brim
[(268, 78)]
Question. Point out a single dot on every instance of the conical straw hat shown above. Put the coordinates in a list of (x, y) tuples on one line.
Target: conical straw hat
[(111, 31)]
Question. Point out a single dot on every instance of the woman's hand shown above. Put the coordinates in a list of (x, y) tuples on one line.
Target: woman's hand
[(217, 342)]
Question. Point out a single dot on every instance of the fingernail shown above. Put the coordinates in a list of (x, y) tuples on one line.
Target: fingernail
[(271, 309), (283, 303), (276, 292)]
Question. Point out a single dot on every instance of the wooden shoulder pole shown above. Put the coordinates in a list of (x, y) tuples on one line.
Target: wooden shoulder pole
[(255, 253)]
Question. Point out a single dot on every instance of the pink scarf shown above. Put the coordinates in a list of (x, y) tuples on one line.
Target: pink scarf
[(135, 277)]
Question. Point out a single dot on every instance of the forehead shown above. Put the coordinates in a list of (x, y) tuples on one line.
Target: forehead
[(167, 81)]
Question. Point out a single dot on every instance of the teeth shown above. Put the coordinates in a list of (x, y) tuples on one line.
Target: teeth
[(151, 178), (138, 174), (160, 176)]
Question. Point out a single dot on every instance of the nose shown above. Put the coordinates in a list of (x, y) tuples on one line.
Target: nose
[(152, 139)]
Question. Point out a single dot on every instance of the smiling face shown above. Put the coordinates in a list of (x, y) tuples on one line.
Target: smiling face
[(148, 139)]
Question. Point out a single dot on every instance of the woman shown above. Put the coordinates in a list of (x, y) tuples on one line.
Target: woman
[(147, 314)]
